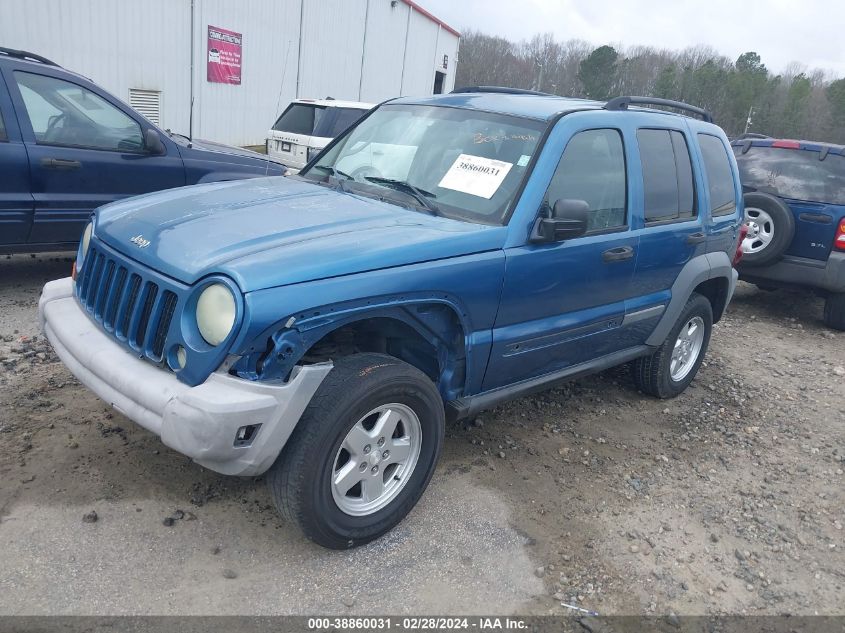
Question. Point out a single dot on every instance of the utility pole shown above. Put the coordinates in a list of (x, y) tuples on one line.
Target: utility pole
[(539, 85), (748, 120)]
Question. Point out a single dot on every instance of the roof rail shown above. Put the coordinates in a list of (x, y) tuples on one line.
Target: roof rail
[(622, 103), (499, 90), (12, 52)]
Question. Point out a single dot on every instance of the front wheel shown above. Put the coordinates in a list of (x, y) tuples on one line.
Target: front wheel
[(363, 452), (670, 369)]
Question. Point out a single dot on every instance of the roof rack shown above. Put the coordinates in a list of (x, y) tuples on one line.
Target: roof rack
[(756, 135), (12, 52), (499, 90), (622, 103)]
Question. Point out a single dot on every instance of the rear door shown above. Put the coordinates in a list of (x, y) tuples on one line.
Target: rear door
[(16, 203), (810, 181), (85, 150), (671, 227), (290, 136), (720, 192)]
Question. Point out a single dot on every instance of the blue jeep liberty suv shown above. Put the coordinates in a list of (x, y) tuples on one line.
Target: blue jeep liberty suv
[(443, 255), (795, 214)]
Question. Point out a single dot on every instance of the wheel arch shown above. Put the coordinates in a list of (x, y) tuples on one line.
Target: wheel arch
[(711, 275), (427, 333)]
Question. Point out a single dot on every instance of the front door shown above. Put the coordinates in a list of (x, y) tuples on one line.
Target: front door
[(564, 303), (84, 151)]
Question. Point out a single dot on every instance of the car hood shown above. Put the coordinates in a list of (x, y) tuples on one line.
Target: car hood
[(211, 146), (266, 232)]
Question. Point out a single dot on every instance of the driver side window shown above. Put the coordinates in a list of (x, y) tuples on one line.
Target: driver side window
[(62, 113), (592, 168)]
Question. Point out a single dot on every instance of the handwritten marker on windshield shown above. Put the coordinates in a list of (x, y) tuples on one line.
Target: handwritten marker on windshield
[(579, 609)]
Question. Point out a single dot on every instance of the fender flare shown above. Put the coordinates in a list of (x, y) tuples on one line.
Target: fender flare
[(289, 339), (697, 270)]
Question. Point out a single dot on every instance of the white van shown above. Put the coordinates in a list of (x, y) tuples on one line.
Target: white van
[(307, 126)]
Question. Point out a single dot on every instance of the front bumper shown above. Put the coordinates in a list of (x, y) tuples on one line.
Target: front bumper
[(200, 422), (826, 274)]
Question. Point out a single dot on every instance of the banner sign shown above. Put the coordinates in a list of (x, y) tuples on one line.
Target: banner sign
[(224, 56)]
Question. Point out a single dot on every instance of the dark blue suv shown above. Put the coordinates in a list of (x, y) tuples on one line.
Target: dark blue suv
[(441, 256), (795, 214), (67, 146)]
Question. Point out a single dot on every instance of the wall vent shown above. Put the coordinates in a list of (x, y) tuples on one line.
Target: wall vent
[(147, 102)]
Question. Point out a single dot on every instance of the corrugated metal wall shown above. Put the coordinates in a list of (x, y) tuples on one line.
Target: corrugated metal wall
[(367, 50), (242, 114), (332, 48), (119, 45)]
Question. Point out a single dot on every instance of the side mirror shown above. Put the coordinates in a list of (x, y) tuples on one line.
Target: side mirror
[(569, 219), (153, 143)]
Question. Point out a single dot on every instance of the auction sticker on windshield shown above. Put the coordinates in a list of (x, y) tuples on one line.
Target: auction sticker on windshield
[(475, 175)]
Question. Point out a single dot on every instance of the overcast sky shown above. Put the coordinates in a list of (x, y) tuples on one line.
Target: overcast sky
[(781, 31)]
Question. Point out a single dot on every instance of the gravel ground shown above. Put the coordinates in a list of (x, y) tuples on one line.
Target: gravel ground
[(726, 500)]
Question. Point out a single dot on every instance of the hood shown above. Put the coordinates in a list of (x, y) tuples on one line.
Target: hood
[(211, 146), (266, 232), (186, 146)]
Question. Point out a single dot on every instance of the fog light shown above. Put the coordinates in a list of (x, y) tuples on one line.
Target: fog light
[(245, 435)]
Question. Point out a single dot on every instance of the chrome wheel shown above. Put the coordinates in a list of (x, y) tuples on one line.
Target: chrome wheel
[(761, 230), (687, 348), (376, 459)]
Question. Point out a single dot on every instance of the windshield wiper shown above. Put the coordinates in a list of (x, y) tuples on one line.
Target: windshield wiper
[(420, 195)]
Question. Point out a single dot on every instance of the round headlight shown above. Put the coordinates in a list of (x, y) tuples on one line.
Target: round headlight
[(216, 313), (84, 243)]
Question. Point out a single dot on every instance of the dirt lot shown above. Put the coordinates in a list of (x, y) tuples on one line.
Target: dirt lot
[(729, 499)]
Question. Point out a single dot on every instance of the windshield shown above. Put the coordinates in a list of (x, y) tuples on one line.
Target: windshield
[(793, 173), (466, 164)]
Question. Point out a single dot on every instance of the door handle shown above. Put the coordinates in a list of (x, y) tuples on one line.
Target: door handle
[(618, 254), (696, 238), (60, 163)]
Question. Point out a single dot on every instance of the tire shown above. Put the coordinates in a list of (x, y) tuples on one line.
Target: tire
[(653, 374), (771, 227), (834, 311), (354, 395)]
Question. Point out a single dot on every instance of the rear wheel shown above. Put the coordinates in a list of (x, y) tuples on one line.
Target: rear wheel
[(834, 311), (671, 369), (770, 229), (363, 452)]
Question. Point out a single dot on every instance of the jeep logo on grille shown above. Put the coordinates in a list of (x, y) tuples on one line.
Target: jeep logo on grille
[(140, 241)]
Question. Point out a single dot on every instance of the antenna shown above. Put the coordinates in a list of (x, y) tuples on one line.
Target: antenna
[(278, 105)]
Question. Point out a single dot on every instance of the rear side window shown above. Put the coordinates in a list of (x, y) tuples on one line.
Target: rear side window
[(668, 188), (720, 180), (299, 118), (3, 136), (592, 168), (793, 173), (343, 119)]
